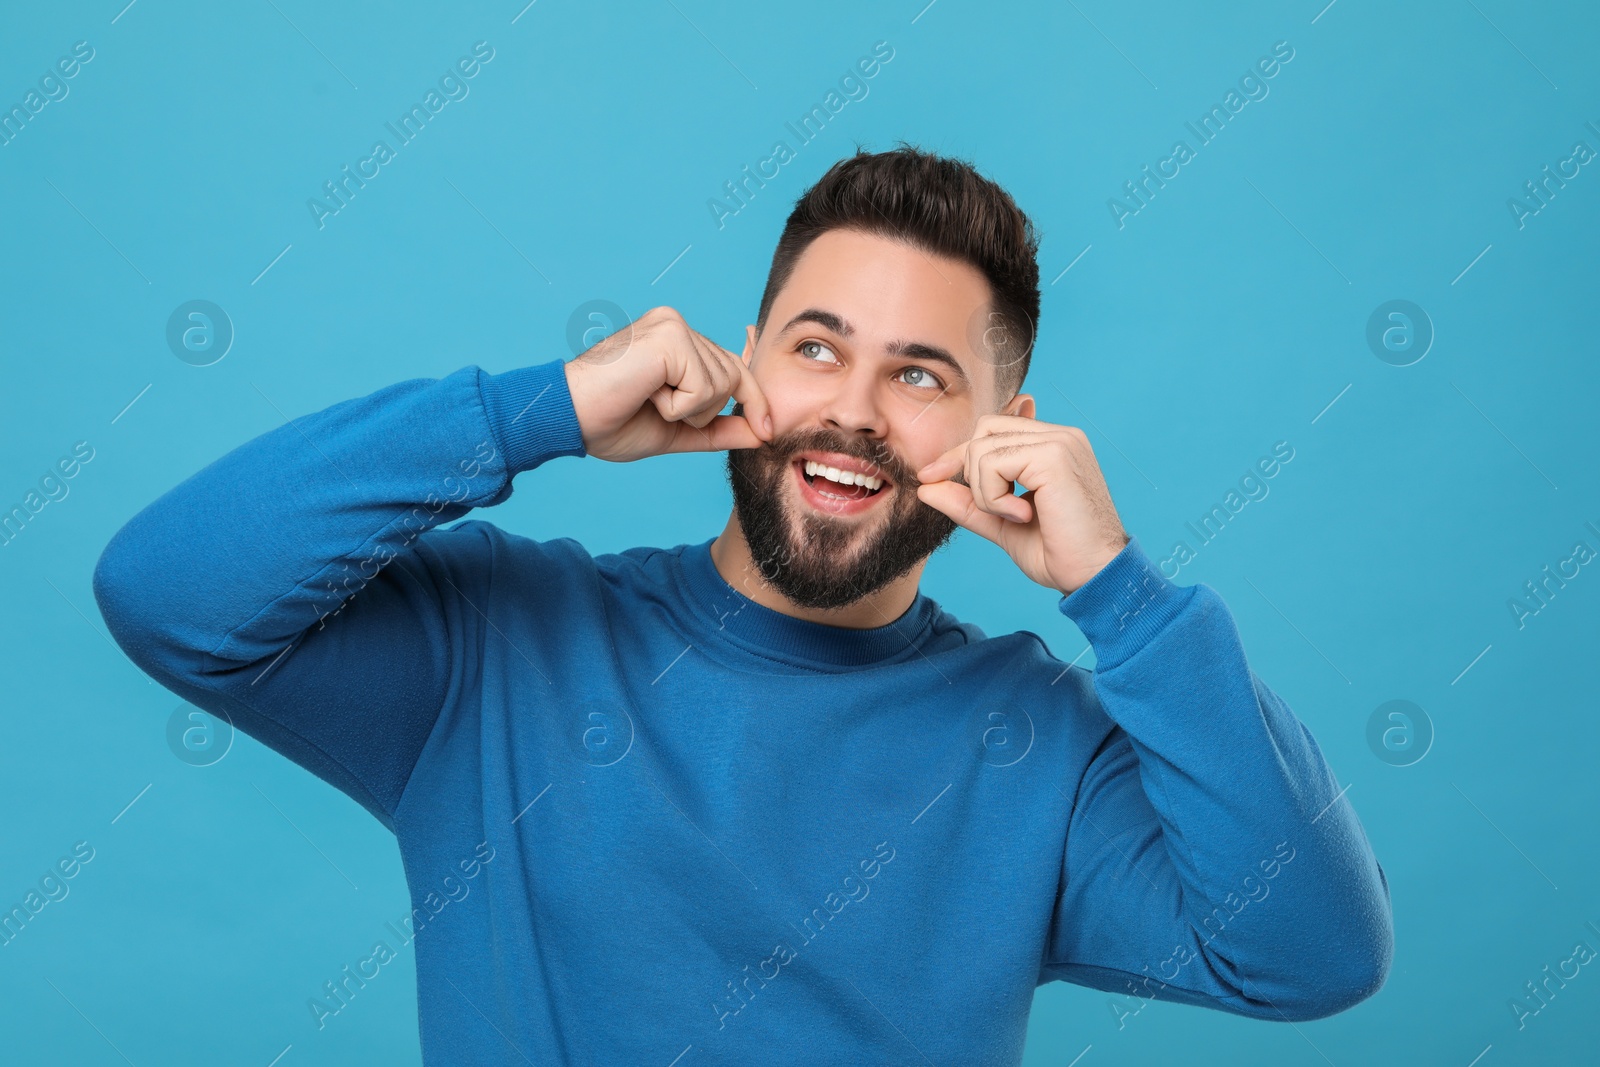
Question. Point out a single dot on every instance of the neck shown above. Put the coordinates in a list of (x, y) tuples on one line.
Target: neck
[(730, 552)]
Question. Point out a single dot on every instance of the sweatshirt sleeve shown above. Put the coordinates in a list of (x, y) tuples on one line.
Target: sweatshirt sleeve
[(1211, 858), (299, 588)]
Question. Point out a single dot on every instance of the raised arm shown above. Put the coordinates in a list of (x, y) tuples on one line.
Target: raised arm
[(294, 585), (1210, 857), (298, 584)]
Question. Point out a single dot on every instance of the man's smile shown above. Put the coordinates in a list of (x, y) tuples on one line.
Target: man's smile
[(839, 484)]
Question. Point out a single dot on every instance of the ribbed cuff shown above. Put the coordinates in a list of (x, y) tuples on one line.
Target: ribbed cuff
[(1123, 606), (530, 411)]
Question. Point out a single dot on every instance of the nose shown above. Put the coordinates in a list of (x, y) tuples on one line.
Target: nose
[(852, 408)]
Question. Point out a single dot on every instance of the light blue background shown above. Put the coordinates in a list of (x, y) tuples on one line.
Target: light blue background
[(1227, 315)]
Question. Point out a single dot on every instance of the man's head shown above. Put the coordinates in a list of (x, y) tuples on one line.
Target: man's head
[(901, 305)]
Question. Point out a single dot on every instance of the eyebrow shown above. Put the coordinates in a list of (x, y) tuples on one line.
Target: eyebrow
[(908, 349)]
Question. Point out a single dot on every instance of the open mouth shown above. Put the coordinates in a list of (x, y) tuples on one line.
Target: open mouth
[(839, 492)]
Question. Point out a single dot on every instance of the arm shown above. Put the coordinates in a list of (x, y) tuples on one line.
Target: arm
[(1209, 858), (294, 585), (298, 584)]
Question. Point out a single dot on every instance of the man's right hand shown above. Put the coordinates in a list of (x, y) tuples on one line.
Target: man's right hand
[(657, 386)]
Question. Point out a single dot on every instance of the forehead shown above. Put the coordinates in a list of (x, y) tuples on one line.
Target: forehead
[(888, 290)]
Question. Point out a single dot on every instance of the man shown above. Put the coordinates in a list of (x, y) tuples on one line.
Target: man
[(758, 799)]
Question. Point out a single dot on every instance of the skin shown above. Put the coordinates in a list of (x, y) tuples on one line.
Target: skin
[(661, 388)]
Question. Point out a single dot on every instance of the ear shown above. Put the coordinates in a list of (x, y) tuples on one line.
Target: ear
[(1021, 404), (749, 344)]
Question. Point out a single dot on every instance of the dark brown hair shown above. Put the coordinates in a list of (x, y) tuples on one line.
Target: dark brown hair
[(942, 206)]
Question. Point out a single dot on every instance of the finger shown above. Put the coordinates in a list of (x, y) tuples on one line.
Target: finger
[(1026, 499), (752, 401), (956, 502), (990, 474), (720, 434), (994, 493), (1033, 461), (688, 391), (674, 402), (710, 394), (718, 366), (741, 385), (948, 462), (723, 373), (744, 389), (712, 348)]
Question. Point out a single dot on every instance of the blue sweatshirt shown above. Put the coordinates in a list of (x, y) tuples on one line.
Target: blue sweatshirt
[(644, 819)]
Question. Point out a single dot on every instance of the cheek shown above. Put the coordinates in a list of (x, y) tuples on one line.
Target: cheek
[(787, 416), (923, 441), (794, 403)]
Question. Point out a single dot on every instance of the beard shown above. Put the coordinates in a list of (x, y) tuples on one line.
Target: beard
[(818, 560)]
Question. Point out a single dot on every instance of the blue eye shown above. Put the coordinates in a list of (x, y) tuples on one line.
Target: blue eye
[(925, 378)]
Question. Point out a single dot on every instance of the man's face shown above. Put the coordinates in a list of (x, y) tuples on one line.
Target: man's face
[(870, 361)]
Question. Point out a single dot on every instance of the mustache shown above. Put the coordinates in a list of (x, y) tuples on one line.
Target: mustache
[(780, 450)]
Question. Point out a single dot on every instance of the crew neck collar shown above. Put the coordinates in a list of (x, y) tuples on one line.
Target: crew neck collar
[(771, 634)]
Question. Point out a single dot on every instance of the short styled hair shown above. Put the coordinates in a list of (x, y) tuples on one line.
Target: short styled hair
[(942, 206)]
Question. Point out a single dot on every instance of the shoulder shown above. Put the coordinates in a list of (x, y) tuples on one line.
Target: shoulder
[(557, 560), (951, 632), (1026, 691), (1023, 654), (482, 554), (478, 536)]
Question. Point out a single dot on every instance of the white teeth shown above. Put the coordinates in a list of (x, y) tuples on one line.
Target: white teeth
[(834, 474)]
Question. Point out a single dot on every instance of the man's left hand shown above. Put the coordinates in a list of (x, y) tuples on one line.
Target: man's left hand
[(1060, 532)]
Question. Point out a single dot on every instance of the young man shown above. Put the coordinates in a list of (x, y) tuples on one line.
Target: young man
[(758, 799)]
